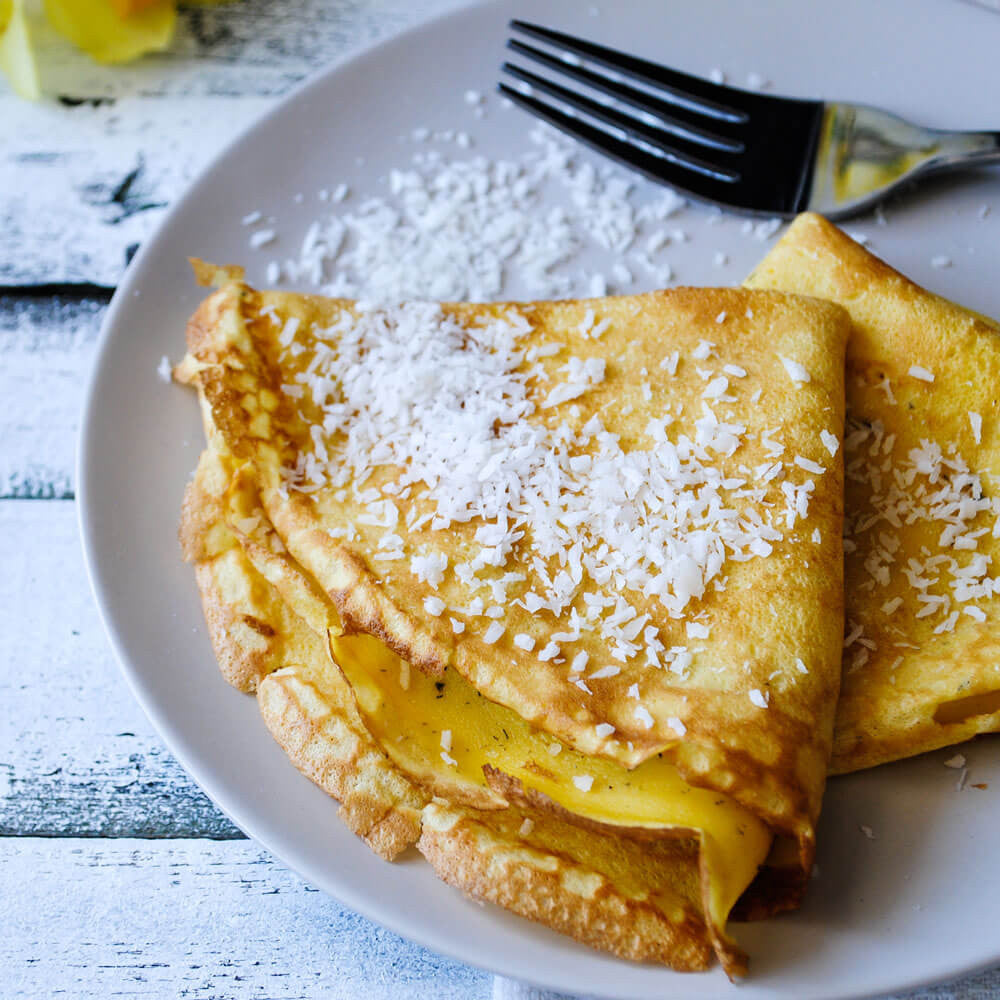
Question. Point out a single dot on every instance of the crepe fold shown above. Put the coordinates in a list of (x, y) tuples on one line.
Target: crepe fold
[(557, 585), (922, 535)]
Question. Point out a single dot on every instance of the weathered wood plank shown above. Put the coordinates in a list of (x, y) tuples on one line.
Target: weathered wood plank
[(46, 347), (196, 919), (81, 187), (77, 756)]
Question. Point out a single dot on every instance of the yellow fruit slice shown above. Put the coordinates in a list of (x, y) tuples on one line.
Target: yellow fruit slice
[(97, 27), (17, 58)]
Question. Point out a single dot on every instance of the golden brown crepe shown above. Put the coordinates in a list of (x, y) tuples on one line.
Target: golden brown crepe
[(722, 708), (922, 656), (618, 894)]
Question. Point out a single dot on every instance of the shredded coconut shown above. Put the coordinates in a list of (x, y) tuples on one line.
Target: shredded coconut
[(928, 486), (609, 671), (921, 373), (411, 242), (446, 405), (493, 633), (976, 422), (676, 725), (434, 606), (429, 568), (261, 238), (796, 372), (809, 465), (642, 714), (583, 781)]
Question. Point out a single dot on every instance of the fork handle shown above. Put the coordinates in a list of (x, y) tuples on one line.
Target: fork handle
[(964, 149), (864, 152)]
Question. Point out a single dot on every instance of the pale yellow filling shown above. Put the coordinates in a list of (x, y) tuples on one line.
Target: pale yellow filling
[(407, 712)]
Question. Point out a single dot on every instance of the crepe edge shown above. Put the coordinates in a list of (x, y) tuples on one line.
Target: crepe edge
[(468, 854)]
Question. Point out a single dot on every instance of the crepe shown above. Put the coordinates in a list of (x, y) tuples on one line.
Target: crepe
[(922, 651), (618, 894), (727, 712)]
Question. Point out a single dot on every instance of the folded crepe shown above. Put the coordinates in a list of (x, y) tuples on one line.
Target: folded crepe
[(574, 569), (638, 899), (921, 650)]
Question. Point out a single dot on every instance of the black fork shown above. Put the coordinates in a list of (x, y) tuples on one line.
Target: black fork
[(754, 153)]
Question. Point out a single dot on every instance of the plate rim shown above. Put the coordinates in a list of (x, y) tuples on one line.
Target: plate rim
[(214, 787)]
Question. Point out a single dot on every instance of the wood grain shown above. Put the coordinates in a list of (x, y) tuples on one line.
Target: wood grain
[(46, 346), (77, 756), (145, 919), (82, 187)]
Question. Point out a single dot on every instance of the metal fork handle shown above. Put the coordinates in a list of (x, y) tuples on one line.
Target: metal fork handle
[(864, 152)]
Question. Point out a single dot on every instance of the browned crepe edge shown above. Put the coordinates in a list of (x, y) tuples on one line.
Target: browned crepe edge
[(377, 802), (609, 920)]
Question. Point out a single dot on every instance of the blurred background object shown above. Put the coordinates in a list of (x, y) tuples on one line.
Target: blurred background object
[(109, 31)]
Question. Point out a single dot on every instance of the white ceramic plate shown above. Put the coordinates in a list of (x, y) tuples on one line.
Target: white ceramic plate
[(916, 903)]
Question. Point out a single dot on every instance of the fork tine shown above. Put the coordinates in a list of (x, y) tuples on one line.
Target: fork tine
[(673, 118), (714, 100), (680, 151), (700, 186)]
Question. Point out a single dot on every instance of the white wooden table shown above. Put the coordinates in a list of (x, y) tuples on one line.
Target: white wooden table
[(117, 876)]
